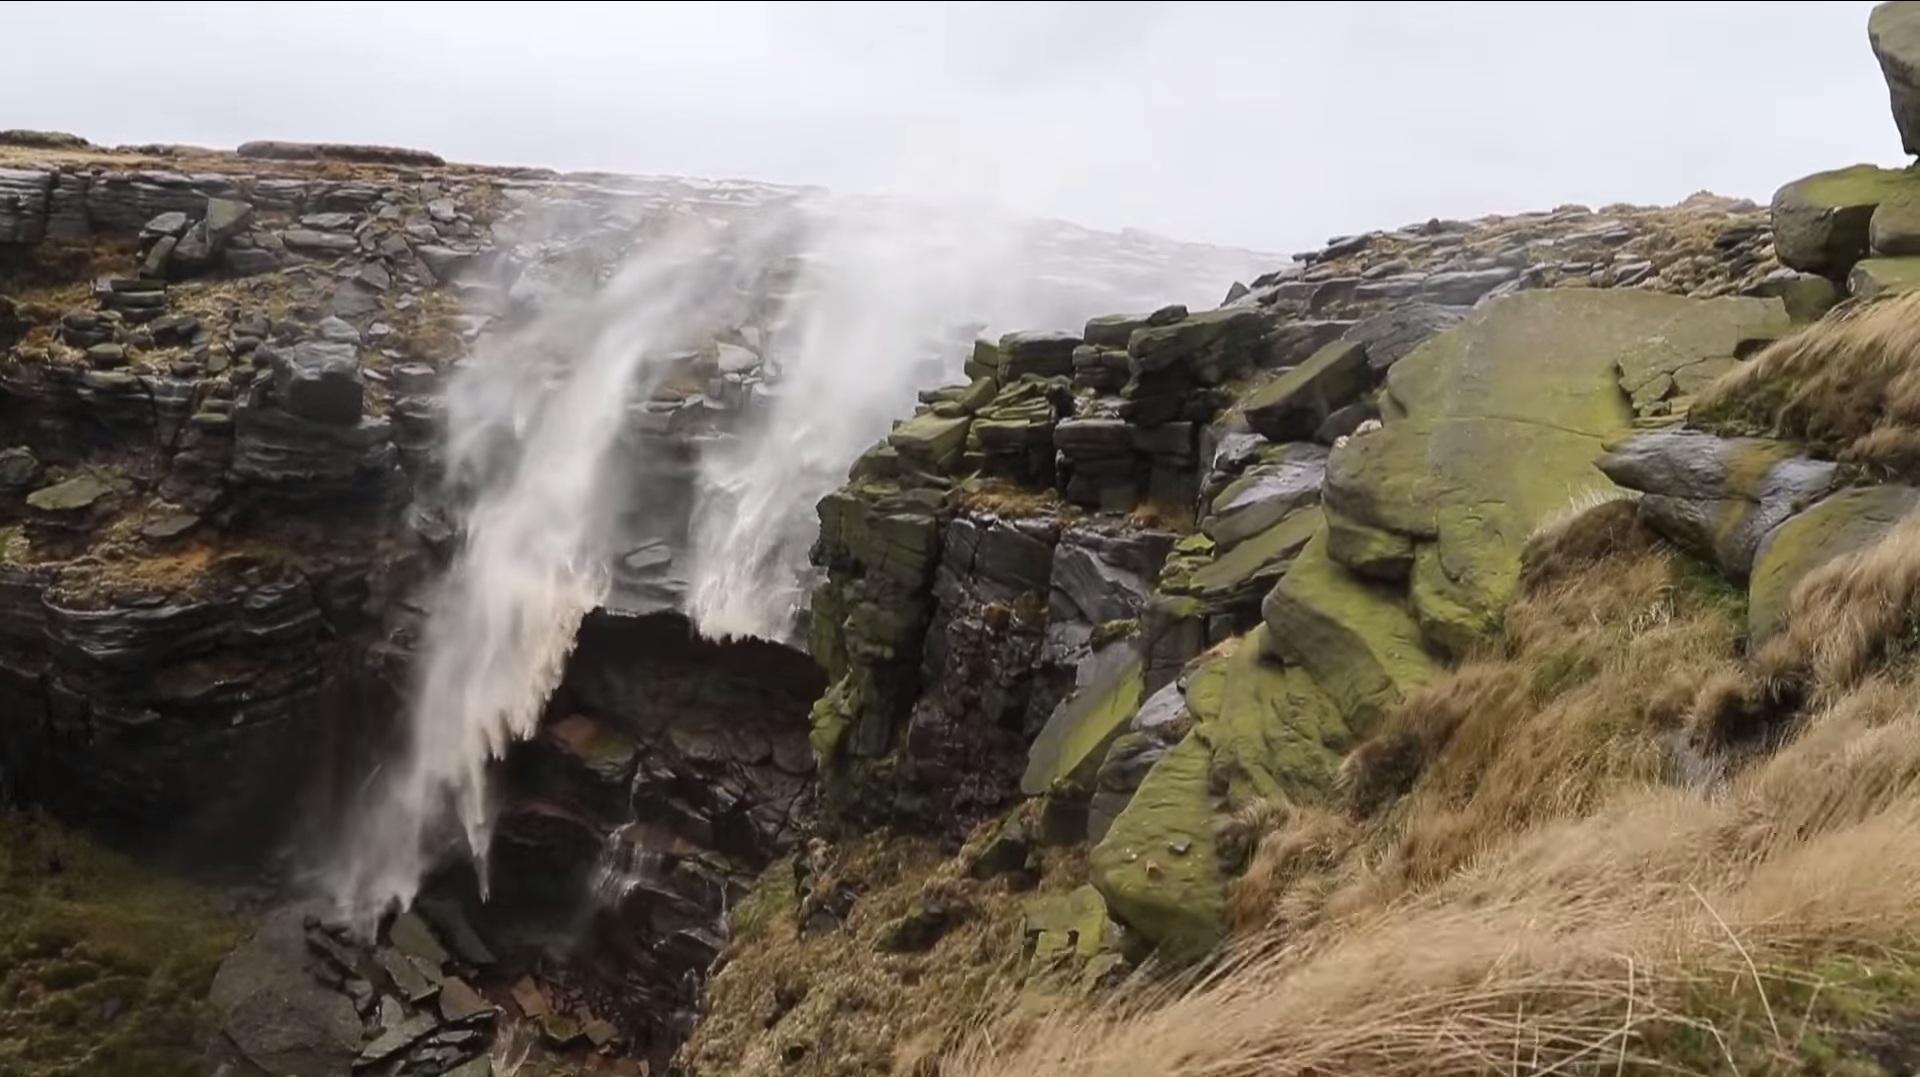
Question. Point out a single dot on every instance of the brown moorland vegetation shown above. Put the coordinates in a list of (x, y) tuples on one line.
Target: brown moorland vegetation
[(1555, 860)]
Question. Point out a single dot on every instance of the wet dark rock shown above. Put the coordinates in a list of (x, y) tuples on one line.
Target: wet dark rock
[(105, 356), (1717, 496), (1044, 354), (172, 223), (411, 935), (169, 524), (445, 263), (155, 264), (1394, 333), (460, 1003), (19, 468), (392, 1041), (322, 244), (193, 253), (355, 299), (328, 222), (273, 1010), (319, 380), (1267, 493)]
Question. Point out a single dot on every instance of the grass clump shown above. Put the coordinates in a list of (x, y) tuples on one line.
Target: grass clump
[(802, 991), (1849, 384), (104, 965)]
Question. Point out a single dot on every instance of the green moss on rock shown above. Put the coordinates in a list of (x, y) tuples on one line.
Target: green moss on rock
[(1355, 637), (1075, 739), (1503, 418), (1369, 551), (1848, 521), (1823, 222), (1883, 276), (1276, 735), (1158, 866), (1293, 405), (1260, 558)]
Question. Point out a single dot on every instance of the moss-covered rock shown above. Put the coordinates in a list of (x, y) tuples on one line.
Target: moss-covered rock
[(1158, 866), (1369, 551), (986, 360), (1883, 276), (1895, 227), (1263, 731), (1046, 354), (1717, 496), (1355, 637), (75, 495), (1500, 419), (1252, 563), (1071, 942), (1823, 223), (1275, 735), (1207, 346), (1848, 521), (931, 440), (1075, 739), (1807, 296), (884, 529), (1293, 405)]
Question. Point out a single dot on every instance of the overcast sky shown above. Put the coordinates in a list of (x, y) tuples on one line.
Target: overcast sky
[(1269, 126)]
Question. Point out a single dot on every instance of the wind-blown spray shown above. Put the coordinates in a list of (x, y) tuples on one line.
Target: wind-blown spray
[(532, 423), (540, 426)]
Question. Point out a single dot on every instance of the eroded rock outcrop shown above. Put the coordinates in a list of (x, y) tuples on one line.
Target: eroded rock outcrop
[(1341, 523)]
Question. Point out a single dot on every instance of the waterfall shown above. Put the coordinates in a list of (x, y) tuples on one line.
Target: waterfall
[(540, 435), (532, 423)]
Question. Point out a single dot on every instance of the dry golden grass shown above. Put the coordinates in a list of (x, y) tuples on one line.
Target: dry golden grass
[(1847, 617), (791, 1002), (1008, 499), (1765, 930), (1849, 384), (1537, 874)]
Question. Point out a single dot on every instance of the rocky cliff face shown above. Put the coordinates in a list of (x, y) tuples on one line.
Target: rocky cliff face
[(1055, 540), (223, 496)]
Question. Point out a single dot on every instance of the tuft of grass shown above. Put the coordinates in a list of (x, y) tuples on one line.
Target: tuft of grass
[(1010, 500), (1849, 384), (1848, 618), (104, 964), (793, 1001)]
